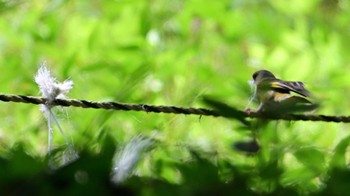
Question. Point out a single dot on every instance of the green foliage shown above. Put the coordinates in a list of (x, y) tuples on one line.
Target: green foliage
[(173, 52)]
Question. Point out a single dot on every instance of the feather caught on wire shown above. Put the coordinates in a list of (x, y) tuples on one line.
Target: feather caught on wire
[(52, 90)]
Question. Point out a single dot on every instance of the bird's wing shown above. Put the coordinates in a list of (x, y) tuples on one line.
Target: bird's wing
[(297, 87)]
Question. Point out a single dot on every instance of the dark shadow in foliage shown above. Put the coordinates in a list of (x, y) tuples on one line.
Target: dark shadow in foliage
[(89, 175), (250, 147), (201, 177), (152, 186), (227, 111), (22, 174), (337, 182)]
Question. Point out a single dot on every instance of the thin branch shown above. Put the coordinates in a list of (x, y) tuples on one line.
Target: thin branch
[(165, 109)]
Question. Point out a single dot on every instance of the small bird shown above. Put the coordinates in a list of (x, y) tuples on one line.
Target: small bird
[(274, 95)]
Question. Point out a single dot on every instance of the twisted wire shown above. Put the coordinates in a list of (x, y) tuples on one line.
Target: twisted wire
[(164, 109)]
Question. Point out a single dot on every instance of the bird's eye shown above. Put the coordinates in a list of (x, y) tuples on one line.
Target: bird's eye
[(255, 75)]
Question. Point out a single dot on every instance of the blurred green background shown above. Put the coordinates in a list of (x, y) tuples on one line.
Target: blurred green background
[(173, 52)]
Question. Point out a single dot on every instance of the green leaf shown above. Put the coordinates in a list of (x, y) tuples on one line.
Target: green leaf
[(312, 158), (338, 159)]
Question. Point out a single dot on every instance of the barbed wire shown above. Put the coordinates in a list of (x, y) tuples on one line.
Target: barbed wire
[(109, 105)]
